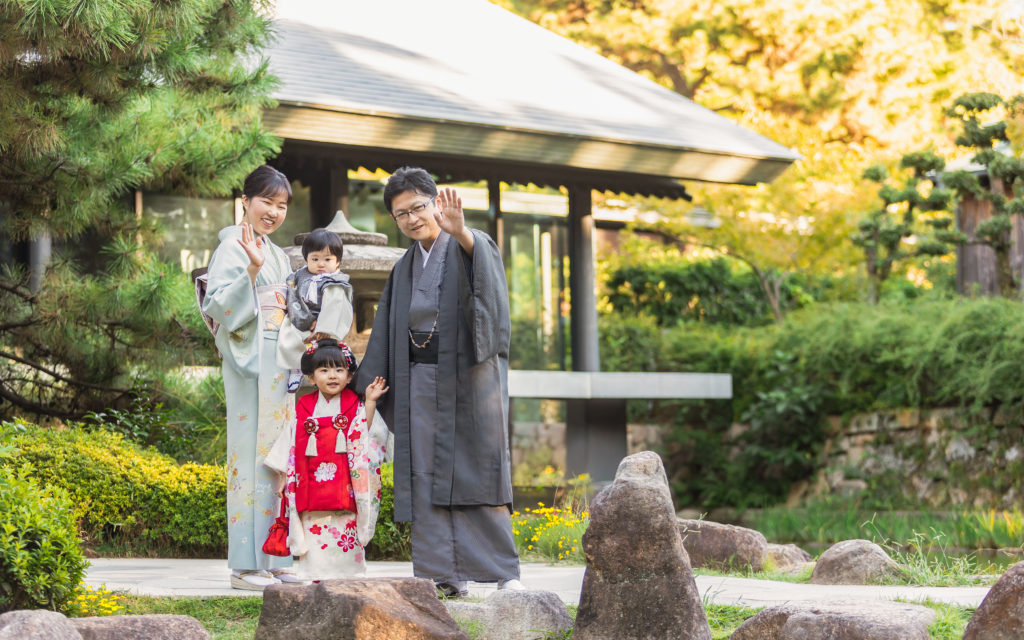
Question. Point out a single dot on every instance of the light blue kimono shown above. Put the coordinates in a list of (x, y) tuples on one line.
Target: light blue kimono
[(258, 403)]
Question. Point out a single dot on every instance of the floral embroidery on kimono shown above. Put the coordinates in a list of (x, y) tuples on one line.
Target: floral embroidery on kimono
[(329, 544)]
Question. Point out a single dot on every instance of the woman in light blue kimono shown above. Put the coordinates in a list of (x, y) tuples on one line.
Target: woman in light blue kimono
[(246, 296)]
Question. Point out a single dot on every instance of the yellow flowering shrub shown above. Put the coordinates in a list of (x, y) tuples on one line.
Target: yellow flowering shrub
[(124, 493), (95, 601), (551, 533)]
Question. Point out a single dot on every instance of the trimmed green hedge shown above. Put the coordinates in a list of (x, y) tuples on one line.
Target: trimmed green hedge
[(124, 494), (140, 501)]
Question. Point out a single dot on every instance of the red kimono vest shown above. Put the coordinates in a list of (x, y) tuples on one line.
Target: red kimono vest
[(324, 483)]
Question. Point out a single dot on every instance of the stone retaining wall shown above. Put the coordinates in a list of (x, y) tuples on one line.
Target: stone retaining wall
[(938, 457), (925, 457)]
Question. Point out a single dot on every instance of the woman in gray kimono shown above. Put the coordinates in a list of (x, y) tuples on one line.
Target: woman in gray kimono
[(441, 336), (246, 296)]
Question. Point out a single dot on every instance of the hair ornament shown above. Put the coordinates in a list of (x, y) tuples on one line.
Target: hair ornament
[(311, 349), (350, 358)]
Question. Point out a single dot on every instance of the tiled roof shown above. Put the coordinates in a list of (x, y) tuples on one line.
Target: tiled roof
[(474, 63)]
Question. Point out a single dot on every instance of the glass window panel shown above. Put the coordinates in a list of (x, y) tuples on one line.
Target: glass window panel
[(299, 218), (189, 226), (535, 252)]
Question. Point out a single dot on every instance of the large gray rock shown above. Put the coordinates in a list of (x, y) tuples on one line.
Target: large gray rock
[(638, 582), (356, 609), (864, 620), (787, 557), (514, 615), (151, 627), (713, 545), (36, 624), (1001, 614), (854, 562)]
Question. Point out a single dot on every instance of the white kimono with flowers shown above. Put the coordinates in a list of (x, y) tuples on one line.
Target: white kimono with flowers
[(330, 544)]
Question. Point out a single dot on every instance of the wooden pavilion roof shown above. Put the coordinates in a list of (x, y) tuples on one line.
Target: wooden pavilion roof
[(473, 92)]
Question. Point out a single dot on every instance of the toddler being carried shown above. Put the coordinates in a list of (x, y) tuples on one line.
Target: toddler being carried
[(319, 301)]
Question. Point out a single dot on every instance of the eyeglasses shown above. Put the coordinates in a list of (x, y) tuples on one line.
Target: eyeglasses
[(416, 210)]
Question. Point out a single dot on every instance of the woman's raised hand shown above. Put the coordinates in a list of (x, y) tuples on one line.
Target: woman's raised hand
[(253, 245), (376, 389)]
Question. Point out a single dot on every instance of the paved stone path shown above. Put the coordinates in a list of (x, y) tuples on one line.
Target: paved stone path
[(159, 577)]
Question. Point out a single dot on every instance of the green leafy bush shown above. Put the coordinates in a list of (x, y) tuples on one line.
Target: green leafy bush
[(146, 423), (391, 539), (124, 494), (672, 289), (829, 359), (41, 562)]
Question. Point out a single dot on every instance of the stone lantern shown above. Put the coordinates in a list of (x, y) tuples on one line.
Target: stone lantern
[(367, 261)]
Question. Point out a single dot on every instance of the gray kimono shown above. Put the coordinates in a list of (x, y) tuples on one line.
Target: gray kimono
[(452, 468), (302, 310)]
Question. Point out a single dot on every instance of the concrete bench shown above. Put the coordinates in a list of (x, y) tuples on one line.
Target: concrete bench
[(595, 430)]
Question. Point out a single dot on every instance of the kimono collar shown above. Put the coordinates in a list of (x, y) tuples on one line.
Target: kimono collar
[(425, 254), (326, 408)]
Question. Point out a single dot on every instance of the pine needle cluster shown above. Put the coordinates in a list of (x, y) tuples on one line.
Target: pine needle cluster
[(101, 98)]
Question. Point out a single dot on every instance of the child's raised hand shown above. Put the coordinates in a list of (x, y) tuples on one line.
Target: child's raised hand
[(376, 389)]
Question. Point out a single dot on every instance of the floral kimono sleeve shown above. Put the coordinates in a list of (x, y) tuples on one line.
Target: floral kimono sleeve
[(366, 450), (231, 301), (282, 459)]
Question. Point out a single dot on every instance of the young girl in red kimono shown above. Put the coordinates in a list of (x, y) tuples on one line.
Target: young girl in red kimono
[(328, 465)]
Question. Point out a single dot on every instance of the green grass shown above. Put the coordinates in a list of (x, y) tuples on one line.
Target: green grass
[(724, 619), (236, 618), (926, 562), (226, 618), (804, 575), (832, 521), (950, 621)]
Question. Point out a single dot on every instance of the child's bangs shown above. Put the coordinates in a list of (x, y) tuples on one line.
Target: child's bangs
[(330, 357)]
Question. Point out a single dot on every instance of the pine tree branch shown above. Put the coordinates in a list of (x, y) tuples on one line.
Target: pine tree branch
[(17, 325), (54, 374), (18, 291), (34, 407)]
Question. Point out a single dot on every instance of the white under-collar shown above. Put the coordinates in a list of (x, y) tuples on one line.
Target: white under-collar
[(425, 253), (326, 408)]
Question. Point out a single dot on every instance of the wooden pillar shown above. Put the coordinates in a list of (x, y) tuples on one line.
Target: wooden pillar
[(321, 205), (595, 435), (582, 282), (497, 229), (338, 199)]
